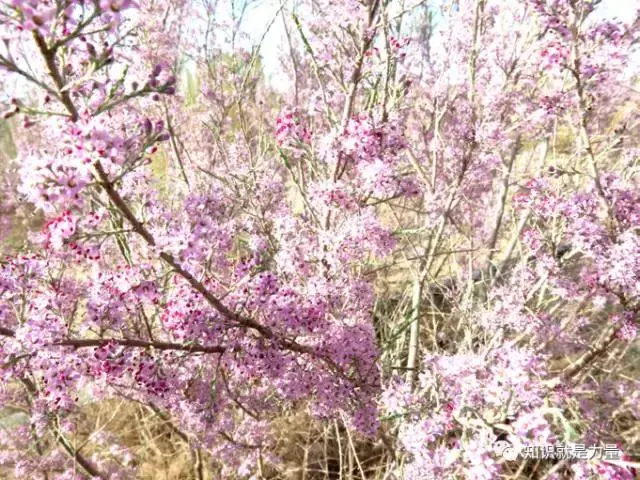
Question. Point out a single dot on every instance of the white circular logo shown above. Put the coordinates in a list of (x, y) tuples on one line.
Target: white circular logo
[(504, 449)]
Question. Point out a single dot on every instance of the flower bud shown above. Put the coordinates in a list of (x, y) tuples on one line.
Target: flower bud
[(146, 125)]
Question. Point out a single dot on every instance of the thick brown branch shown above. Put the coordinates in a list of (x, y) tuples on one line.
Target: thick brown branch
[(127, 342), (49, 56), (592, 356), (72, 452), (77, 457)]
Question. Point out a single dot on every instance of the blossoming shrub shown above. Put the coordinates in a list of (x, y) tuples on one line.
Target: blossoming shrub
[(426, 237)]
